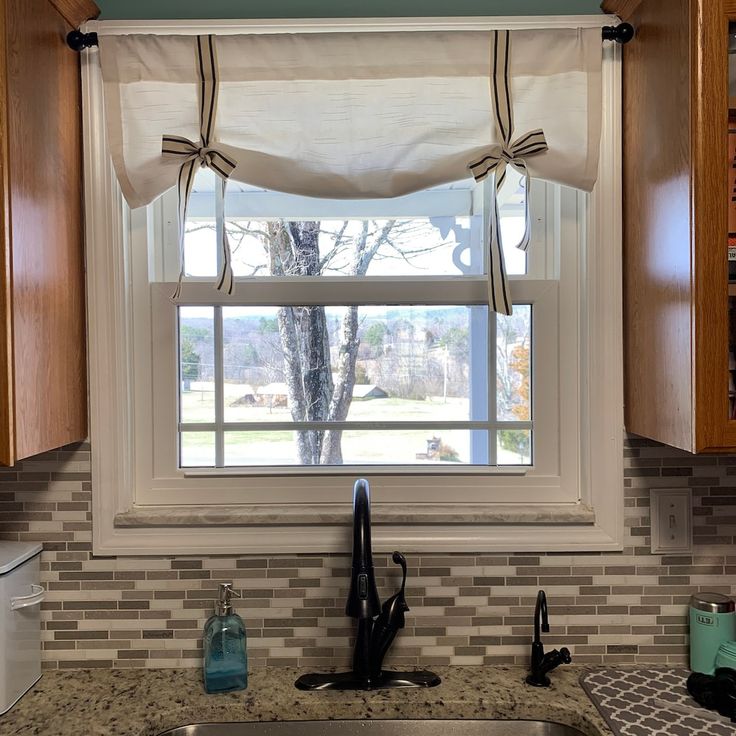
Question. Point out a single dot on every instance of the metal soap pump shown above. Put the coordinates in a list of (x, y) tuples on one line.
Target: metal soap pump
[(224, 640)]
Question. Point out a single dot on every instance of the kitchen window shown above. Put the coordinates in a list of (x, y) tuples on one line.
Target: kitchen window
[(357, 341)]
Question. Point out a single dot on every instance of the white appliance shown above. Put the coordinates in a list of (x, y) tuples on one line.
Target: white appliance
[(20, 620)]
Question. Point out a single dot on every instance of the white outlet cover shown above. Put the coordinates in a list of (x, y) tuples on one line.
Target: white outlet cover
[(671, 520)]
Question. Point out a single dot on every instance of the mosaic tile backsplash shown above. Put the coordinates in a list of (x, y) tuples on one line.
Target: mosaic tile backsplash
[(466, 608)]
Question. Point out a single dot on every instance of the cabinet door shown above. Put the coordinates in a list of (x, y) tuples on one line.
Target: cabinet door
[(676, 192), (658, 283), (714, 224), (43, 370)]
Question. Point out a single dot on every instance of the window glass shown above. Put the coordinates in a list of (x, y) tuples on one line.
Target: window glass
[(423, 447), (437, 232), (514, 365), (197, 449), (421, 246), (415, 359), (365, 384), (196, 364)]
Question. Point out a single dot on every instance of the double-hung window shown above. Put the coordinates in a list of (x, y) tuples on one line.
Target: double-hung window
[(357, 341)]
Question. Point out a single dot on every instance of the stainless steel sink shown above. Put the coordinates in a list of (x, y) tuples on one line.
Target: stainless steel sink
[(378, 728)]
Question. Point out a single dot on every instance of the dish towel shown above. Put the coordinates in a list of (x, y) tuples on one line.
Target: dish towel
[(651, 702)]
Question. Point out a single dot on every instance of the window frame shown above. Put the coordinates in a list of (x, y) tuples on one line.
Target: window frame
[(159, 407), (130, 516)]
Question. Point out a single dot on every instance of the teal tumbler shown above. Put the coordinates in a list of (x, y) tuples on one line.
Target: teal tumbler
[(712, 622)]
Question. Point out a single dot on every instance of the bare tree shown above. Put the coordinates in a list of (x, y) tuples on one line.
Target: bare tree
[(316, 392)]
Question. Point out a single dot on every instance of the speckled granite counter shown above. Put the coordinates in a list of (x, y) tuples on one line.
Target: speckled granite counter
[(146, 702)]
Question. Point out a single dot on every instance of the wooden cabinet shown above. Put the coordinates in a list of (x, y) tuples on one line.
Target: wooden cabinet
[(677, 319), (43, 390)]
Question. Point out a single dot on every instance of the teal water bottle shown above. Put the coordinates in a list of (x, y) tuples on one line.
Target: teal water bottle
[(712, 622)]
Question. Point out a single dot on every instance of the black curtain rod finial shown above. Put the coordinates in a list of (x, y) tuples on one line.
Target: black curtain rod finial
[(79, 41), (622, 33)]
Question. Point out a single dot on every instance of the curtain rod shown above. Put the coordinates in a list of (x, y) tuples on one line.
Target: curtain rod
[(622, 33)]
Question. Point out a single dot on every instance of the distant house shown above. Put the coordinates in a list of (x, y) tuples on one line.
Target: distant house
[(273, 394), (363, 391)]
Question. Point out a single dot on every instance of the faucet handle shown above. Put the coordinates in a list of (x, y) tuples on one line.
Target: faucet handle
[(394, 608), (399, 559), (389, 621)]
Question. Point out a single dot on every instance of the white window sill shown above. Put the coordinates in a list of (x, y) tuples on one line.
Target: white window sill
[(276, 529), (299, 514), (325, 528)]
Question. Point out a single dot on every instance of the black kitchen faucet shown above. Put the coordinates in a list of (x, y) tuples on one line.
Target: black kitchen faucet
[(543, 663), (377, 625)]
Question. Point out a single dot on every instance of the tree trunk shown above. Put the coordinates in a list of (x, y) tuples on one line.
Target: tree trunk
[(294, 251), (288, 334), (316, 373), (304, 332), (342, 394)]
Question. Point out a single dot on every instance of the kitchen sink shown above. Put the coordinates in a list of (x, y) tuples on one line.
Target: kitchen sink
[(378, 728)]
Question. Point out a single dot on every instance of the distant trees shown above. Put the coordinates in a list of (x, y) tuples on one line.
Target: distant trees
[(374, 337), (513, 379), (190, 359)]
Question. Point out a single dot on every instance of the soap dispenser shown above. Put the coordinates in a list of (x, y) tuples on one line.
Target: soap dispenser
[(225, 655)]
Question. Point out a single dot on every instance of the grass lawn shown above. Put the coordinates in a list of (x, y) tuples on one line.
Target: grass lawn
[(199, 406)]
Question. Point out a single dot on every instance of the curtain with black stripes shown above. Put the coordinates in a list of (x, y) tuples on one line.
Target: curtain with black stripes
[(346, 115)]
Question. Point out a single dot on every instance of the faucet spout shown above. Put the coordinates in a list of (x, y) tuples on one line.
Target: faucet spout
[(540, 611), (363, 601)]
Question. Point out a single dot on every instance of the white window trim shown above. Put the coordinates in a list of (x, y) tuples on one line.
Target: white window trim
[(472, 527)]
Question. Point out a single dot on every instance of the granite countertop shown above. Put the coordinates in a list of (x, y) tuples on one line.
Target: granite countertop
[(147, 702)]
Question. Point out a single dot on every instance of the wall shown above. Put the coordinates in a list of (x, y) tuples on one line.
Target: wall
[(469, 609), (337, 8)]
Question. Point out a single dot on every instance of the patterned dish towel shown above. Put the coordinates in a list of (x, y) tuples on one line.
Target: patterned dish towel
[(651, 702)]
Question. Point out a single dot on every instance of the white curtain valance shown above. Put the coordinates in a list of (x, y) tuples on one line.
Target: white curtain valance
[(356, 115)]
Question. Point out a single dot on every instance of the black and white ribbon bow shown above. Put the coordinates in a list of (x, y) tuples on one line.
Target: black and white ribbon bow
[(194, 156), (509, 153)]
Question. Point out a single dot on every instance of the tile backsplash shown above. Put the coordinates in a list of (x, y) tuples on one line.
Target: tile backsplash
[(466, 608)]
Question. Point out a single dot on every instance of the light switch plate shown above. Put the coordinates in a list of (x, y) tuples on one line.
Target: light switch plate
[(671, 520)]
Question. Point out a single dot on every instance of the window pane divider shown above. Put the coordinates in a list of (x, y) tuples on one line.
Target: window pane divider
[(346, 291), (493, 388), (219, 391), (345, 426)]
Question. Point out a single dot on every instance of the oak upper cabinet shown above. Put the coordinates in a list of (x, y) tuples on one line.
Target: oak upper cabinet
[(679, 320), (43, 388)]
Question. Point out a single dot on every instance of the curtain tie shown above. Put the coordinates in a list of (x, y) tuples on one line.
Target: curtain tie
[(202, 155), (515, 154), (207, 157), (494, 163)]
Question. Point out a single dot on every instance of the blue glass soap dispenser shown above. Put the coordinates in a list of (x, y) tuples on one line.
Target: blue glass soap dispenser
[(224, 639)]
